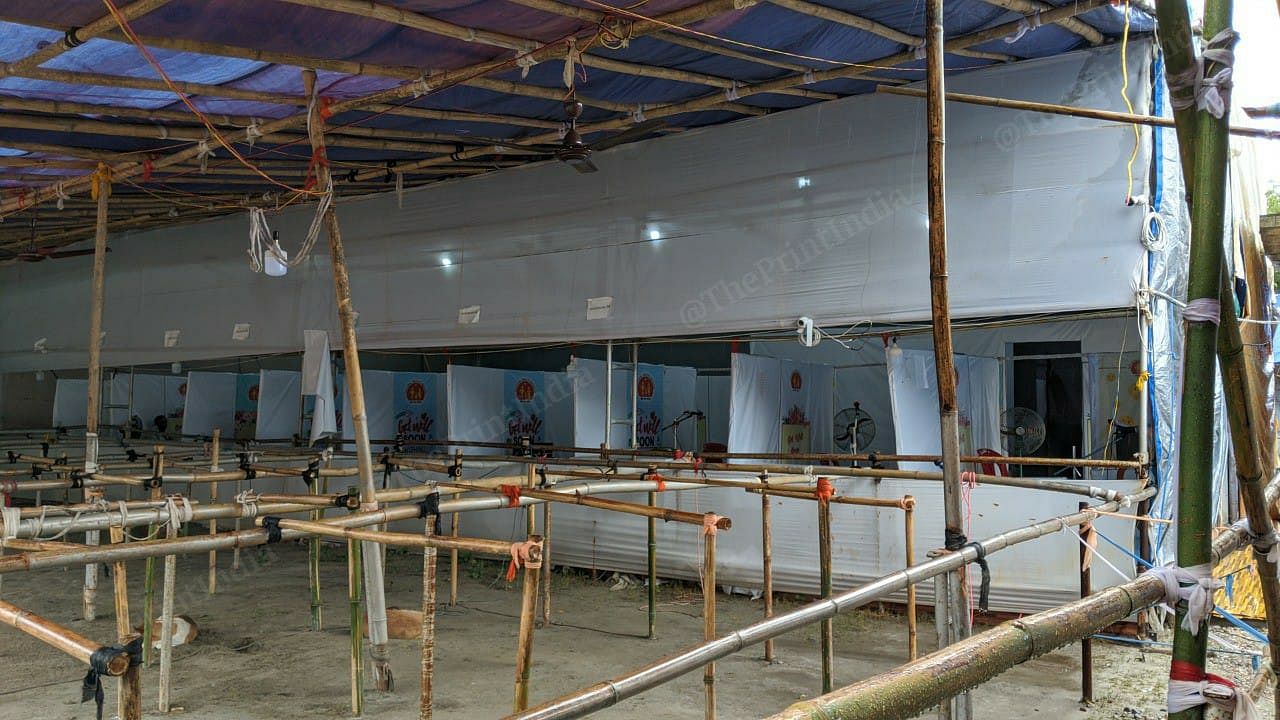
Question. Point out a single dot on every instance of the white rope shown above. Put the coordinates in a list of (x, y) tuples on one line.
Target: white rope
[(421, 86), (248, 501), (1025, 25), (1076, 534), (1214, 691), (1202, 310), (920, 52), (262, 241), (12, 516), (179, 509), (203, 153), (1191, 88), (637, 115), (525, 60), (1267, 545), (252, 133), (61, 194), (809, 77), (731, 93), (1195, 585)]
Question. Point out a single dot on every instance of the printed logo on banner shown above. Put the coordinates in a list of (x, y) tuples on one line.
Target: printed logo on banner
[(246, 409), (523, 406), (797, 381), (796, 439), (415, 404), (648, 405)]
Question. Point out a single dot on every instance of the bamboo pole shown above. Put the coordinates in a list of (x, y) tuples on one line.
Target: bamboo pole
[(215, 453), (709, 613), (129, 696), (578, 498), (827, 627), (524, 646), (166, 620), (766, 562), (957, 601), (355, 576), (1195, 475), (1086, 645), (313, 564), (58, 637), (651, 527), (375, 602), (1070, 111), (76, 36), (428, 619), (453, 562), (545, 609), (909, 527), (102, 185), (149, 578)]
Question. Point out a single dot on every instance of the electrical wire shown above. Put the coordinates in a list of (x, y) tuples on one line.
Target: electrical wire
[(1124, 93)]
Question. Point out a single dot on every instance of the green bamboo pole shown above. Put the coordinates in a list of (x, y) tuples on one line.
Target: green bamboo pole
[(1195, 451), (355, 578), (1174, 20)]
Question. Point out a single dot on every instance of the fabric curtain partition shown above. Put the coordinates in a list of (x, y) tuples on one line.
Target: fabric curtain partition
[(210, 403), (279, 404)]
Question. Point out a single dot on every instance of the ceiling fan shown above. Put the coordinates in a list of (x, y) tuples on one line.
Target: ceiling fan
[(575, 152), (42, 254)]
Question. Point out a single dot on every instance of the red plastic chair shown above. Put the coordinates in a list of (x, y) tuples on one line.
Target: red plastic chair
[(990, 468)]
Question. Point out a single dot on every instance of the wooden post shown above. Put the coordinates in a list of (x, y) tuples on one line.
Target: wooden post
[(149, 579), (129, 696), (355, 576), (453, 563), (652, 528), (826, 628), (428, 620), (93, 414), (766, 561), (166, 618), (909, 522), (709, 614), (524, 646), (313, 562), (215, 456), (1086, 645), (957, 600), (546, 564), (375, 600)]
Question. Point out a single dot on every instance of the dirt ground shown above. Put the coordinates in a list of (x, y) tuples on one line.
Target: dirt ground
[(255, 657)]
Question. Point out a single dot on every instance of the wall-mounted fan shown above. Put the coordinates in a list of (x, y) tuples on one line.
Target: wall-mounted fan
[(854, 429), (1022, 431)]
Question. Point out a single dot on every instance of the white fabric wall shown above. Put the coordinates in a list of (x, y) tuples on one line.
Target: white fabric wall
[(70, 402), (913, 390), (763, 393), (478, 406), (379, 399), (152, 395), (713, 399), (1035, 226), (279, 404), (211, 403), (679, 393)]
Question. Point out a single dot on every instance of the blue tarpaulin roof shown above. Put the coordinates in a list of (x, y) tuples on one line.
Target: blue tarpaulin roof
[(244, 59)]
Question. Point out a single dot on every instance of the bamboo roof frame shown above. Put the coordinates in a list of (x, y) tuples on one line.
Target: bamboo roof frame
[(430, 155)]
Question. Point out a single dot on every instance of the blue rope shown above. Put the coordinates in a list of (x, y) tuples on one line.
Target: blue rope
[(1249, 629)]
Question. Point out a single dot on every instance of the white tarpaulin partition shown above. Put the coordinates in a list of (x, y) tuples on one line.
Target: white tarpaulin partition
[(152, 396), (70, 402), (713, 400), (672, 391), (780, 405), (496, 405), (379, 406), (1035, 227), (914, 391), (210, 403), (317, 383), (279, 404)]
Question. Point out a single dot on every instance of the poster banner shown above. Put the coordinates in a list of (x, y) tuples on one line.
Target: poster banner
[(416, 408), (649, 417), (524, 405), (796, 417), (246, 422)]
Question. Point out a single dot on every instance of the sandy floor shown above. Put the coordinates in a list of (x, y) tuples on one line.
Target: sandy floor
[(255, 658)]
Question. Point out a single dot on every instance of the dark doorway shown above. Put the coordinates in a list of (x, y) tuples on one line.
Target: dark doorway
[(1048, 378)]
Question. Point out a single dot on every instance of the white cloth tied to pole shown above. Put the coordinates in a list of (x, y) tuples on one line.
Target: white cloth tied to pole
[(1195, 585), (179, 509), (12, 516), (1192, 88), (317, 381), (1203, 310), (1214, 691), (1267, 545)]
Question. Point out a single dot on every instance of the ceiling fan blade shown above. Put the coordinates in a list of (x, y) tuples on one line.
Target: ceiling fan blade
[(70, 253), (584, 165), (635, 132)]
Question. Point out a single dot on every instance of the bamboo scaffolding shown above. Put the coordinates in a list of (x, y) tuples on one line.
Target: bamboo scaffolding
[(215, 456), (576, 497), (453, 562), (1034, 7), (766, 560), (651, 531), (906, 691), (61, 638), (608, 693), (826, 628), (93, 412), (355, 576), (1072, 111), (544, 608), (166, 621)]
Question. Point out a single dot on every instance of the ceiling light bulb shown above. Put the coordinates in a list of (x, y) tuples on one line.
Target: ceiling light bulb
[(654, 234), (445, 261)]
